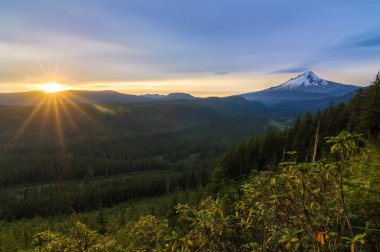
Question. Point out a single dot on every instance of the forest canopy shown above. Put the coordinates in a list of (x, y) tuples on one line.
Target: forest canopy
[(312, 186)]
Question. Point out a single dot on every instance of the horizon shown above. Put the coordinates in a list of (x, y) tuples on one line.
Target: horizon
[(229, 49), (189, 125), (43, 89)]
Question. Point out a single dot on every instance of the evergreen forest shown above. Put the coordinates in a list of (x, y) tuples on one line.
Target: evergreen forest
[(179, 177)]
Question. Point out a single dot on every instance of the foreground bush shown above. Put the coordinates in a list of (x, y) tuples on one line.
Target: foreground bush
[(148, 232), (329, 205), (80, 238)]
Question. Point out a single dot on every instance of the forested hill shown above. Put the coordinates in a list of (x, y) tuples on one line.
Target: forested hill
[(76, 157), (310, 187), (361, 115)]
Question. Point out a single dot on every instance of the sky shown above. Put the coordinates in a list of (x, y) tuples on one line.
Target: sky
[(206, 48)]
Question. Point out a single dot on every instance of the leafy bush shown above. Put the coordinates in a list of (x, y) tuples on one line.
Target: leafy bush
[(148, 232), (307, 206), (328, 205), (81, 238)]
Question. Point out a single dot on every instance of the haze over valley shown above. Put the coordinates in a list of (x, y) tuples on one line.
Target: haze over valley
[(215, 125)]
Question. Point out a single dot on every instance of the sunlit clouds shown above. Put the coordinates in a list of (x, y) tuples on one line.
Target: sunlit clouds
[(52, 87), (204, 48)]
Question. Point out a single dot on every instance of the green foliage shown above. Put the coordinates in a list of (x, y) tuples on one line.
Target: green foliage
[(318, 206), (94, 158), (345, 144), (217, 180), (361, 115), (370, 115), (328, 205), (79, 239), (101, 221), (205, 227), (147, 233), (306, 206), (83, 195), (17, 235)]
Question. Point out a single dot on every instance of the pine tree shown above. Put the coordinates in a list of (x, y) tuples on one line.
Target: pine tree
[(101, 221), (356, 109), (371, 115), (217, 180)]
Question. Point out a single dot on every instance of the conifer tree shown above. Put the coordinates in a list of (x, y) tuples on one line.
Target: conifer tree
[(371, 114), (101, 219)]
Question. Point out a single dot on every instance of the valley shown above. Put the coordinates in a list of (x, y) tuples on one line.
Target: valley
[(189, 126), (64, 157)]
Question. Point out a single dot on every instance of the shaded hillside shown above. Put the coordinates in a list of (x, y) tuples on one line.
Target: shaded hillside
[(36, 97), (303, 106)]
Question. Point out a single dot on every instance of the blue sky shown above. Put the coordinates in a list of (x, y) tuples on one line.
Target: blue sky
[(213, 47)]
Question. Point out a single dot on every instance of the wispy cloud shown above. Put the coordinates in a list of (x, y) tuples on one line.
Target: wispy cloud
[(369, 42), (290, 70), (221, 73), (126, 41)]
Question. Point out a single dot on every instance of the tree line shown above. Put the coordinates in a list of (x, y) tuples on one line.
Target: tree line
[(361, 115), (298, 198)]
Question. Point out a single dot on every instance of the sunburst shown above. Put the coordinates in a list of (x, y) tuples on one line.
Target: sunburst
[(52, 87), (58, 107)]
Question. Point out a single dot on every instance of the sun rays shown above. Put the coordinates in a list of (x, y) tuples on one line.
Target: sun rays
[(52, 87), (55, 115)]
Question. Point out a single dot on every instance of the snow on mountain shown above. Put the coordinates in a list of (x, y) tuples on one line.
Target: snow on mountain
[(303, 80)]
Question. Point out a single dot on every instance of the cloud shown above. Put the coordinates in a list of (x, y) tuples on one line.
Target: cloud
[(161, 41), (362, 48), (290, 70), (370, 42), (221, 73)]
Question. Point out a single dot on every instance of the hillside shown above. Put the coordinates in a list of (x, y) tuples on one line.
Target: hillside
[(270, 192)]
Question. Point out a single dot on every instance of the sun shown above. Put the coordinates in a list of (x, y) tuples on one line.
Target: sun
[(52, 87)]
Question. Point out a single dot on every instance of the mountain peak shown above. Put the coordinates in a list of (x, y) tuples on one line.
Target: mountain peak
[(306, 79), (309, 73)]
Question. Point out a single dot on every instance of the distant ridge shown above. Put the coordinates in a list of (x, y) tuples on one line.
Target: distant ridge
[(179, 96), (306, 92), (76, 96), (85, 96)]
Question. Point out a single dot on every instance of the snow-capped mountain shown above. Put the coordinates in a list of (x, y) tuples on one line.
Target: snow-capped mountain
[(307, 79), (306, 86)]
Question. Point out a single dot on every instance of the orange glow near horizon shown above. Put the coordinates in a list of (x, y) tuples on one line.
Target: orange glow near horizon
[(52, 87), (201, 85), (57, 109)]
